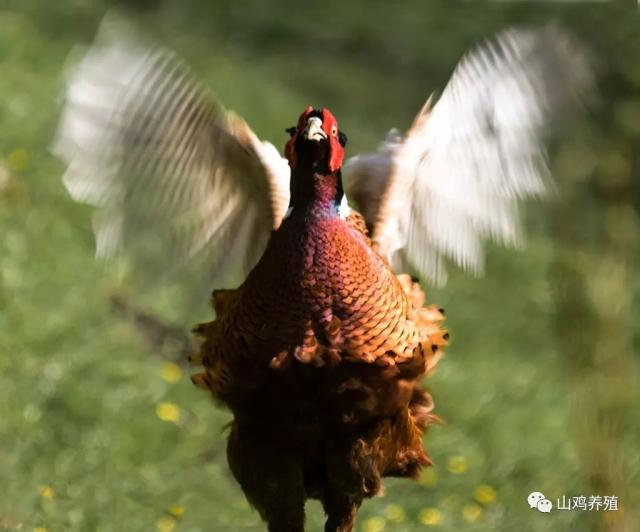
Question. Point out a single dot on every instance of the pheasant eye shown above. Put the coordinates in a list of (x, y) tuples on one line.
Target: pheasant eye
[(334, 131)]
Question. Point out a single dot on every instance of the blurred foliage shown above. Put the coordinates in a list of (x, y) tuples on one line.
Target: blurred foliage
[(538, 388)]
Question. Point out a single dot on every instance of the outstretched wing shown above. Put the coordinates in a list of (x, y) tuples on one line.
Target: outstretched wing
[(173, 176), (457, 176)]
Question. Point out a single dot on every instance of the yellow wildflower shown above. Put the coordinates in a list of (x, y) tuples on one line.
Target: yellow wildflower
[(430, 516), (472, 512), (46, 492), (168, 412), (373, 524), (485, 494), (171, 372), (395, 513), (166, 524), (176, 510), (457, 465)]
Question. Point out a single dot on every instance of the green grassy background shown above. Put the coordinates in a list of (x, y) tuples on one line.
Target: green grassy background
[(97, 432)]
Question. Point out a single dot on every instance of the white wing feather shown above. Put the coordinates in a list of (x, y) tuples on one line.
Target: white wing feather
[(457, 176), (173, 176)]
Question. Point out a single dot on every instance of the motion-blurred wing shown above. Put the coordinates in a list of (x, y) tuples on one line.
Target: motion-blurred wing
[(173, 176), (458, 174)]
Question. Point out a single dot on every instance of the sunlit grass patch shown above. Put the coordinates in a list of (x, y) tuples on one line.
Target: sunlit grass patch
[(429, 477)]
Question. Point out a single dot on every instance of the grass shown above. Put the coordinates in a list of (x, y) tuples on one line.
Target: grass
[(99, 433)]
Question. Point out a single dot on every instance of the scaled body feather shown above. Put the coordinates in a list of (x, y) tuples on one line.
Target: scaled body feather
[(320, 355)]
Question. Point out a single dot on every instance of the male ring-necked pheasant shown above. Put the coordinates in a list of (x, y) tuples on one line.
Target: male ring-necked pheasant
[(321, 350)]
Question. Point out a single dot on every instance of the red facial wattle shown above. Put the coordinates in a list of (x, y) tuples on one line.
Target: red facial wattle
[(336, 151)]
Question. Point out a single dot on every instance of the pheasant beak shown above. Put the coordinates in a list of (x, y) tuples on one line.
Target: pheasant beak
[(313, 131)]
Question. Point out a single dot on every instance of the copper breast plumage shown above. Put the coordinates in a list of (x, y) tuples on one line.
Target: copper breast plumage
[(319, 297)]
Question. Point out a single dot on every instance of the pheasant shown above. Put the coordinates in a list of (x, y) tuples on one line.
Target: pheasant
[(321, 349)]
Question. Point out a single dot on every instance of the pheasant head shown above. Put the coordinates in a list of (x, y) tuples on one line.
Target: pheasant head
[(316, 142), (315, 153)]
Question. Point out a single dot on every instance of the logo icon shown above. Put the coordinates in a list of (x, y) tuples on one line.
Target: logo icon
[(538, 501)]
